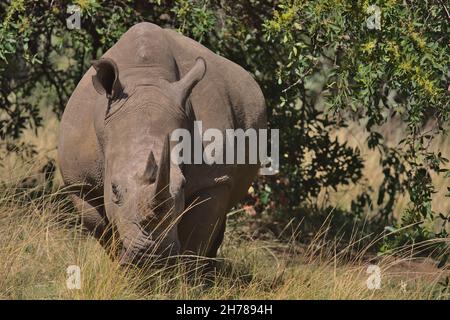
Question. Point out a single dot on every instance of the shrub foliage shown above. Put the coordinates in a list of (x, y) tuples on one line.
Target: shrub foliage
[(320, 63)]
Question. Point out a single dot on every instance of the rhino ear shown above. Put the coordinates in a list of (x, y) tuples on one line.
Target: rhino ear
[(184, 86), (106, 80)]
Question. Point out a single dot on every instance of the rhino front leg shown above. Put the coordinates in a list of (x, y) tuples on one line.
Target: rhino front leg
[(202, 228), (92, 215)]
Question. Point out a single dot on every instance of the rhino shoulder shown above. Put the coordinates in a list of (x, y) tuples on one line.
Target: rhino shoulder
[(232, 84)]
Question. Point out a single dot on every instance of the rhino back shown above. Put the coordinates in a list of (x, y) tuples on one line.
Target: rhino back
[(227, 97)]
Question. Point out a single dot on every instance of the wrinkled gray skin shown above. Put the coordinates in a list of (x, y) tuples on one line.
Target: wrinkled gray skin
[(114, 147)]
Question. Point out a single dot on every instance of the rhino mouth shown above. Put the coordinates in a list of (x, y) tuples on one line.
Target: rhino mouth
[(147, 252)]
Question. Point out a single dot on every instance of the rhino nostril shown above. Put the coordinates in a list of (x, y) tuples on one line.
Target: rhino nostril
[(116, 194)]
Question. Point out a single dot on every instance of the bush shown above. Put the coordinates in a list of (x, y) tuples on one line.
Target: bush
[(320, 65)]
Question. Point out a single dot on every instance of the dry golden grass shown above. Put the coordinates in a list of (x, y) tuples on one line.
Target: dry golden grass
[(39, 239)]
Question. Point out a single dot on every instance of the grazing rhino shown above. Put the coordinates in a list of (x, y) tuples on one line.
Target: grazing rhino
[(114, 150)]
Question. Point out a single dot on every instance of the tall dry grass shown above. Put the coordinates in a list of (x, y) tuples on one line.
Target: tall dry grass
[(40, 237), (39, 240)]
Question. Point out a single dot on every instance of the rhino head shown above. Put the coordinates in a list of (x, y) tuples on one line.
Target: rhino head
[(143, 189)]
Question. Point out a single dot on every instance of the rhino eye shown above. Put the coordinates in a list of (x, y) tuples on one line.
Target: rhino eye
[(116, 194)]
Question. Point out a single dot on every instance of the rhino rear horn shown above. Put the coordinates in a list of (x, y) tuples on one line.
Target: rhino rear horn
[(184, 86), (151, 169), (106, 80)]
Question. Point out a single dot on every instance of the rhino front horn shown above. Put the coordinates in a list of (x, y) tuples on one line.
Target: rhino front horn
[(163, 180)]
